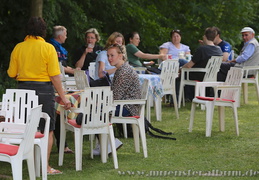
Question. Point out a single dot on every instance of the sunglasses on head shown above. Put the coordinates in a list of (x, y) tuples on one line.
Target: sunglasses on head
[(117, 45)]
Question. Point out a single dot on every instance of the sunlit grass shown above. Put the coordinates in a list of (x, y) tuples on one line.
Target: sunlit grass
[(223, 151)]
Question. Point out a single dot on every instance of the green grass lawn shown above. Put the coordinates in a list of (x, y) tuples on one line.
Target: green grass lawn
[(190, 155)]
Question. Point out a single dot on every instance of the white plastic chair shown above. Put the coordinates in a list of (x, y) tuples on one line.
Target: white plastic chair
[(67, 82), (14, 154), (228, 97), (137, 122), (254, 80), (95, 105), (81, 79), (210, 71), (91, 69), (17, 105), (168, 75)]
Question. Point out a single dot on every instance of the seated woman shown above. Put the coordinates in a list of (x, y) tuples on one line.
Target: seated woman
[(102, 63), (175, 47), (133, 53), (125, 84), (88, 52)]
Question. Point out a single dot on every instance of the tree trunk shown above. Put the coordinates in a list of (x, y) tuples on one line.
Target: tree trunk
[(36, 8)]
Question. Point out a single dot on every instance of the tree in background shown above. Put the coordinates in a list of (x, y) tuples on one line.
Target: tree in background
[(153, 19)]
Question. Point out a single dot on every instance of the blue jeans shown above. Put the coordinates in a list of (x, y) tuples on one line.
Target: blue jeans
[(125, 112), (182, 62)]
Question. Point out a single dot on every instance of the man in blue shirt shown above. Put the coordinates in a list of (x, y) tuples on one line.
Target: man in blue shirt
[(224, 45), (59, 37), (248, 56)]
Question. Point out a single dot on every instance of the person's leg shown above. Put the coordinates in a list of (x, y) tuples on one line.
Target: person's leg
[(223, 71), (50, 143), (182, 62)]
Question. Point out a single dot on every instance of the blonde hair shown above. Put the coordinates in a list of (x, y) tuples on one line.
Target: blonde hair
[(121, 49), (111, 39), (93, 30), (58, 30)]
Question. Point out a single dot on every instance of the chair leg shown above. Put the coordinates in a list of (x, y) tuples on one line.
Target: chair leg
[(221, 112), (78, 138), (158, 108), (209, 118), (113, 148), (148, 107), (103, 144), (142, 133), (17, 169), (135, 130), (125, 132), (30, 164), (236, 119), (37, 158), (257, 89), (192, 116), (180, 94), (175, 105), (245, 93)]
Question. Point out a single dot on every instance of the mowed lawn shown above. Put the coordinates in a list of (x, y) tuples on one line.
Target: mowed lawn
[(194, 156)]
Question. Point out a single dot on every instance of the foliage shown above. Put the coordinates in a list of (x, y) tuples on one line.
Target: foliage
[(151, 18)]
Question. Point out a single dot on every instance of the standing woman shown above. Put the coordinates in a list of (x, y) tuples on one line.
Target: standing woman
[(102, 63), (88, 52), (34, 64), (125, 84), (175, 46), (133, 53)]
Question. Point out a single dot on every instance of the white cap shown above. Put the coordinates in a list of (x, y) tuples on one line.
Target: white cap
[(247, 29)]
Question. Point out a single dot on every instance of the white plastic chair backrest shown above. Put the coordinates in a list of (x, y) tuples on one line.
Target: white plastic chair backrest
[(17, 104), (95, 104), (144, 89), (81, 79), (27, 143), (168, 74), (91, 69), (212, 67), (234, 78), (62, 70)]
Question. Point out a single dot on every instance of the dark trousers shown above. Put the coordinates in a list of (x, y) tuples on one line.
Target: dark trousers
[(223, 71)]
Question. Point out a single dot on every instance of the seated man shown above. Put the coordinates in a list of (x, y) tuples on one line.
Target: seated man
[(224, 45), (200, 60), (248, 56)]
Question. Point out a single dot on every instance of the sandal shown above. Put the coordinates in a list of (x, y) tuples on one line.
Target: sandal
[(54, 172), (68, 151)]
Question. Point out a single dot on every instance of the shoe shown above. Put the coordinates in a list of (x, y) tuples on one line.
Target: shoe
[(118, 145), (54, 172), (97, 150)]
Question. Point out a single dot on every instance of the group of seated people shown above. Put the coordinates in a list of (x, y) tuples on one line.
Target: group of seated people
[(121, 52)]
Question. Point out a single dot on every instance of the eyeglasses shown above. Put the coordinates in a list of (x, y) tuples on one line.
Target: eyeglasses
[(90, 38), (117, 45)]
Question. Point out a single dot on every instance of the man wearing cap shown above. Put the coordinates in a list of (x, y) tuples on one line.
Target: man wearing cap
[(248, 56)]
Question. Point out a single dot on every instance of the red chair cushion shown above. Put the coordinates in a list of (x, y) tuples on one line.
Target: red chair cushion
[(212, 99), (137, 117), (73, 123), (39, 135), (8, 149)]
